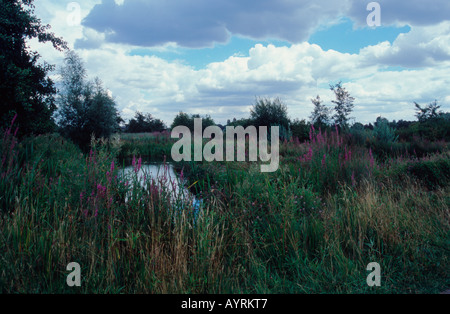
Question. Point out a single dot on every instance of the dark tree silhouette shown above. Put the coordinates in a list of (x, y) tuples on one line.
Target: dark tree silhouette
[(144, 123), (25, 88)]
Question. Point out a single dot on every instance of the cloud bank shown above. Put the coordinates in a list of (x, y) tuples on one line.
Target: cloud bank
[(385, 78)]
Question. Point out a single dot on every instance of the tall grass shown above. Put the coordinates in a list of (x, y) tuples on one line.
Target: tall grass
[(311, 227), (155, 146)]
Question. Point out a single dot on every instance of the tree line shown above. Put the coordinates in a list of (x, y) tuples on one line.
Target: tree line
[(83, 108)]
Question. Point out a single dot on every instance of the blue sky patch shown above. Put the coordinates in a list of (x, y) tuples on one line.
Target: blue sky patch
[(344, 38), (341, 37), (199, 58)]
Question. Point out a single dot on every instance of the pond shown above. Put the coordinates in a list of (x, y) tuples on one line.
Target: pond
[(163, 174)]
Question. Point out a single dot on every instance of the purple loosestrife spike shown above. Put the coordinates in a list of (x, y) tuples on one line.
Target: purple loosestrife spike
[(14, 119)]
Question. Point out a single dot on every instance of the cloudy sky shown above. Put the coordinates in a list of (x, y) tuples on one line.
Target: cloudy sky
[(215, 57)]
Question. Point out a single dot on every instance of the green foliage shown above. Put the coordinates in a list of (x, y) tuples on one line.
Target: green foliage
[(383, 132), (286, 228), (361, 136), (183, 119), (434, 129), (429, 112), (320, 117), (268, 112), (144, 124), (24, 85), (432, 173), (255, 232), (86, 109), (150, 146), (241, 122), (343, 105), (329, 162), (300, 129)]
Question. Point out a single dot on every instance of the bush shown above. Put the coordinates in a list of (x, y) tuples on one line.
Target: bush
[(268, 112), (433, 174), (183, 119), (300, 130), (383, 132)]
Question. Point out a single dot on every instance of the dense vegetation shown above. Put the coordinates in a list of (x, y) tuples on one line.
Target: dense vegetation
[(312, 227), (25, 88), (85, 108), (345, 194)]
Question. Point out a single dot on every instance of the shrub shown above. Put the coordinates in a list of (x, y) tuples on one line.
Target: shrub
[(432, 173)]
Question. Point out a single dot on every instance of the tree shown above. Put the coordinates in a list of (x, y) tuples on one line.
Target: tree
[(142, 123), (24, 85), (383, 132), (86, 108), (343, 105), (183, 119), (320, 115), (429, 112), (300, 129), (244, 122), (268, 112)]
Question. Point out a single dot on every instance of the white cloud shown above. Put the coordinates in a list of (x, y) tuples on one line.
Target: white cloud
[(422, 46), (412, 12), (202, 23), (296, 73)]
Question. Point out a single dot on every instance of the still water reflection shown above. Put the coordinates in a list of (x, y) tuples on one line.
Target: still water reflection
[(164, 175)]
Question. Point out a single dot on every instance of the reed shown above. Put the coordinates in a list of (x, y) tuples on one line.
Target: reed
[(311, 227)]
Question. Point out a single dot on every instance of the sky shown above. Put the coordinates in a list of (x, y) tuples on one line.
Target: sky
[(215, 57)]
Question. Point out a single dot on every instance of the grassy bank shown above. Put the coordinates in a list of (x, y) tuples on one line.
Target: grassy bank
[(311, 227)]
